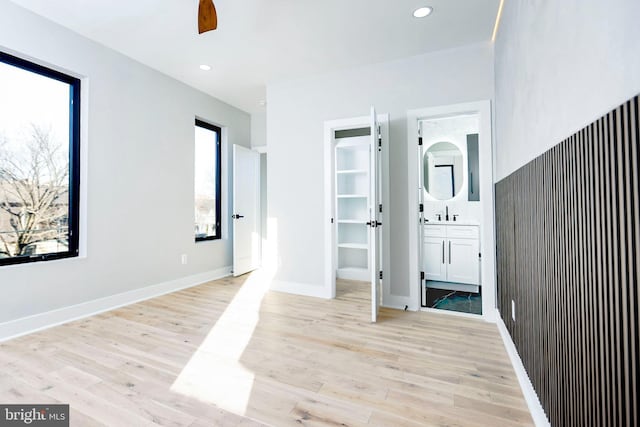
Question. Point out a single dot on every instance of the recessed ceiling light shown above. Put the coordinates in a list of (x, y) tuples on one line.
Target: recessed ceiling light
[(205, 67), (422, 12)]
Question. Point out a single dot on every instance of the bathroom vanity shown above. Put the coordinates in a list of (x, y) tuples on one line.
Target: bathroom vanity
[(451, 255)]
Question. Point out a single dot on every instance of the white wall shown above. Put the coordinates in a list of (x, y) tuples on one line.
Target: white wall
[(559, 65), (258, 129), (137, 174), (296, 113)]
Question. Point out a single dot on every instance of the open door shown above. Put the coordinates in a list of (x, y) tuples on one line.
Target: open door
[(421, 222), (375, 225), (246, 210)]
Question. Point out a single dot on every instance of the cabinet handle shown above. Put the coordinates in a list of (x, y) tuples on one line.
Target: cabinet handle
[(443, 251), (449, 251)]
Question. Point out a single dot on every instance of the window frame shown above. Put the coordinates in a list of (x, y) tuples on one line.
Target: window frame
[(74, 159), (218, 165)]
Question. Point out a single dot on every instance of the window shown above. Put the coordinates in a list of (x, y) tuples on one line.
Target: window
[(39, 162), (207, 181)]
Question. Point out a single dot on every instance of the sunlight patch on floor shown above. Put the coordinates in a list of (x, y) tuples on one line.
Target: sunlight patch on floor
[(214, 373)]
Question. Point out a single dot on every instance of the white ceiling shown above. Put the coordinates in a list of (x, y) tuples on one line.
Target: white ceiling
[(263, 41)]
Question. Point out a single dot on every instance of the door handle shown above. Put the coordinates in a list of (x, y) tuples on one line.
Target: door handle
[(374, 224), (237, 216), (443, 251), (449, 251)]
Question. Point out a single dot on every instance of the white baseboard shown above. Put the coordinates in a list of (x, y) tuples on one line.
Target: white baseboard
[(530, 395), (398, 302), (452, 313), (353, 274), (38, 322), (303, 289)]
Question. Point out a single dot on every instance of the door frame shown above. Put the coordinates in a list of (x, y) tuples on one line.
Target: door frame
[(487, 225), (330, 244)]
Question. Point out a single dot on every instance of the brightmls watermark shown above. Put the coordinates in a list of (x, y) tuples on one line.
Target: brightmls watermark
[(34, 415)]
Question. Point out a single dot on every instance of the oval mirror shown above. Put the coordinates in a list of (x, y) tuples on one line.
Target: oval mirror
[(443, 170)]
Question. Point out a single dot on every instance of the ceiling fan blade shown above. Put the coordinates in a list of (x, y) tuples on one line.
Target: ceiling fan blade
[(207, 16)]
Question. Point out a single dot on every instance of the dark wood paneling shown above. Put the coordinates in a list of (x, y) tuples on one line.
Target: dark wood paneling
[(568, 256)]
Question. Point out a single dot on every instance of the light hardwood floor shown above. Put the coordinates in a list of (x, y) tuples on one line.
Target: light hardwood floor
[(279, 360)]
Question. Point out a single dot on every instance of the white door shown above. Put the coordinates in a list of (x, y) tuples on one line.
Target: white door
[(421, 229), (246, 210), (463, 262), (433, 259), (375, 225)]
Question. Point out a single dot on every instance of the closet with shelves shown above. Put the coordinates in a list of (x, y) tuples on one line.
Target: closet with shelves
[(352, 206), (356, 195)]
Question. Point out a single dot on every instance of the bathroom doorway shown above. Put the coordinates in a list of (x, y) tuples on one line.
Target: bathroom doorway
[(454, 204)]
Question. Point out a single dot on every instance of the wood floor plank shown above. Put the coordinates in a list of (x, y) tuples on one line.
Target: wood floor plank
[(199, 358)]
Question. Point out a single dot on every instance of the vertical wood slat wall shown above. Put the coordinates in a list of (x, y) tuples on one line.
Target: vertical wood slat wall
[(568, 254)]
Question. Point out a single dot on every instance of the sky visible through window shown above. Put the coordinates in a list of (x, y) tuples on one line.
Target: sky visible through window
[(205, 181), (34, 163), (27, 98)]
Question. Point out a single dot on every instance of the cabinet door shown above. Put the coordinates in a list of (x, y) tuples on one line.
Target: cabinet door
[(463, 264), (433, 258)]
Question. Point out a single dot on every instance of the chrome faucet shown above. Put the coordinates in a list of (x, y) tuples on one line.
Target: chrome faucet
[(446, 216)]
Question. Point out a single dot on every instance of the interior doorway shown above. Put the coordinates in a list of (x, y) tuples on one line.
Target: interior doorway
[(452, 238), (356, 179)]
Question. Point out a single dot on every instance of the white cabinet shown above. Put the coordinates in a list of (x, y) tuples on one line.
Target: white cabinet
[(451, 253), (352, 207), (433, 261), (464, 263)]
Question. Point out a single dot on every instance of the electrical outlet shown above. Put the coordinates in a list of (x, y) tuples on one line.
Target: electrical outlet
[(184, 259), (513, 310)]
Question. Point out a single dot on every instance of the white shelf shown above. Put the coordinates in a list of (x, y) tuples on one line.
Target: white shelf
[(352, 196), (353, 171), (352, 221), (357, 142), (353, 246)]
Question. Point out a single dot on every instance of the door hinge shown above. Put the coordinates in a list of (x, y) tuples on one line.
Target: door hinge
[(479, 255), (422, 275), (421, 207), (380, 208), (420, 141), (380, 274)]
